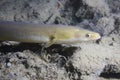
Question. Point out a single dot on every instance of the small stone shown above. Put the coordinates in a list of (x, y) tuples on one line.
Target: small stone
[(8, 64)]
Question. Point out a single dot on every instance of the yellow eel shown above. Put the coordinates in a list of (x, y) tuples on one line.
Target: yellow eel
[(44, 33)]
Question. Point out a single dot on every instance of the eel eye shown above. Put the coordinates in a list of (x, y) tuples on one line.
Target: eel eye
[(87, 35)]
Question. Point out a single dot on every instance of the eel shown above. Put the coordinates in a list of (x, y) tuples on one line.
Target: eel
[(44, 33)]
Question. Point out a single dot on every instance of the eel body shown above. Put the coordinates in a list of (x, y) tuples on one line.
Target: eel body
[(44, 33)]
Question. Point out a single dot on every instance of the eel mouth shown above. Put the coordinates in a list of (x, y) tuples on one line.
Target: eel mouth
[(96, 36)]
